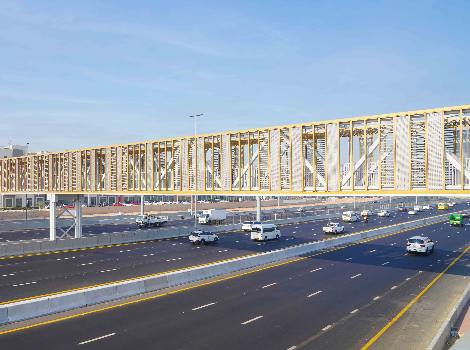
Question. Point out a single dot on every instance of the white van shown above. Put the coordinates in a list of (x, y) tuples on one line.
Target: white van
[(263, 232), (350, 216)]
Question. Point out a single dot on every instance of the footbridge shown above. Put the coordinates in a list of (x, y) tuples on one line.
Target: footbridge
[(422, 152)]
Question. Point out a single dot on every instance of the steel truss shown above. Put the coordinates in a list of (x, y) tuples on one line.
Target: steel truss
[(422, 152)]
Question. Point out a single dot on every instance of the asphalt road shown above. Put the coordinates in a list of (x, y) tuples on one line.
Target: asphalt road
[(333, 300), (29, 276)]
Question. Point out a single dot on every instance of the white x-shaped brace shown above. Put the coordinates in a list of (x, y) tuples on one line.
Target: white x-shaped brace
[(357, 165), (65, 233)]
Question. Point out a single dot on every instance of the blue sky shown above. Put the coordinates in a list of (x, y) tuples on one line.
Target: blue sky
[(85, 73)]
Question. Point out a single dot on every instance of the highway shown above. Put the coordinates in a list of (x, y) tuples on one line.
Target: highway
[(330, 300), (31, 276), (22, 230)]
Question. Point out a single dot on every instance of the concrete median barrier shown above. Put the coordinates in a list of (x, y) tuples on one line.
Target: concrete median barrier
[(88, 296)]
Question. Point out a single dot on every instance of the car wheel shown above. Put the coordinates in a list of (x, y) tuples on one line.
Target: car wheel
[(427, 251), (203, 241), (265, 237), (216, 239), (277, 236), (432, 249)]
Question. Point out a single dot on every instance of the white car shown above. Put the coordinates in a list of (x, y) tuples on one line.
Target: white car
[(419, 244), (426, 207), (333, 227), (350, 216), (383, 213), (248, 225), (203, 237), (412, 212), (366, 212)]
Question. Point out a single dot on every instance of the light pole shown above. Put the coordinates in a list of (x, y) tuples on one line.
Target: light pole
[(26, 194), (195, 116)]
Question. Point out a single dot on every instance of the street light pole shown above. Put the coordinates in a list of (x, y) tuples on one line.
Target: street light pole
[(195, 159)]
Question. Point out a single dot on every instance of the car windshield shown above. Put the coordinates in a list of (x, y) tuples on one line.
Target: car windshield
[(415, 240)]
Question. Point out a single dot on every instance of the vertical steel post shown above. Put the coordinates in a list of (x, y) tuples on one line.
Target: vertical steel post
[(142, 205), (258, 208), (78, 216), (52, 216)]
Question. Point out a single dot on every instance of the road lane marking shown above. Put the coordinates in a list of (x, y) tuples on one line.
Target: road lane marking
[(204, 306), (376, 337), (95, 339), (252, 320), (394, 287), (354, 311), (373, 250), (318, 269), (269, 285), (313, 294), (352, 277), (326, 328), (376, 298), (386, 263)]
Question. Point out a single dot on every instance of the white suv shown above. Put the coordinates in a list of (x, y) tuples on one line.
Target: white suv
[(333, 227), (419, 244), (383, 213), (203, 237)]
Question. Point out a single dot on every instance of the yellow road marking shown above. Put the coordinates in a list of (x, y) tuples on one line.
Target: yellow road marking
[(376, 337)]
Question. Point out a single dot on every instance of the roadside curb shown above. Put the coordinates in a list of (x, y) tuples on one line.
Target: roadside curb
[(440, 339)]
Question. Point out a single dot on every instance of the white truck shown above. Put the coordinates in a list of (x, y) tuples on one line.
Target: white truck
[(212, 216), (150, 220), (333, 227)]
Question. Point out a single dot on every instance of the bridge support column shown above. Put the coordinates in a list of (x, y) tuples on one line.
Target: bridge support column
[(142, 205), (52, 216), (78, 216), (258, 208)]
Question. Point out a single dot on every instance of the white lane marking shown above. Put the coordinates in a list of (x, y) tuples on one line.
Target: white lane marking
[(95, 339), (359, 274), (394, 287), (204, 306), (252, 320), (318, 269), (354, 311), (292, 347), (386, 263), (408, 278), (326, 328), (269, 285), (348, 259), (373, 250), (313, 294), (376, 298)]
